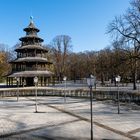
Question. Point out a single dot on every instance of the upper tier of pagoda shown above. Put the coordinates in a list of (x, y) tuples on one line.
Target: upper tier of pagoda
[(31, 33), (31, 41), (30, 27)]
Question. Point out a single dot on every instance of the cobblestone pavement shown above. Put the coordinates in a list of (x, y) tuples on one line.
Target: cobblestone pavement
[(57, 120)]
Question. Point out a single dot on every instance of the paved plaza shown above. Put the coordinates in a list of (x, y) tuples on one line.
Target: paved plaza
[(70, 120)]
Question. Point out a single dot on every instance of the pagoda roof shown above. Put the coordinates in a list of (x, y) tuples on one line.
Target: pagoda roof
[(45, 73), (27, 37), (31, 59), (31, 26), (30, 47)]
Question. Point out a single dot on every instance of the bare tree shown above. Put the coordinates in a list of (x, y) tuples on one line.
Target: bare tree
[(5, 56), (126, 29), (61, 46)]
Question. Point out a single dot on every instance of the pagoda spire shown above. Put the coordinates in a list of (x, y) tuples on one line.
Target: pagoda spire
[(31, 19)]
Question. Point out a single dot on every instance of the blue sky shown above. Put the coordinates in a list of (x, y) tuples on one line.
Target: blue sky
[(85, 21)]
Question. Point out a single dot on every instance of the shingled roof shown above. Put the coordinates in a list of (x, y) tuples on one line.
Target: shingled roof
[(31, 26), (27, 37), (30, 47), (31, 74), (32, 59)]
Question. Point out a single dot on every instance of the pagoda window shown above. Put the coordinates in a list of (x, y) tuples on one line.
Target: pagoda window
[(27, 43), (38, 55), (31, 33), (23, 66), (29, 54), (18, 55), (41, 53), (20, 67), (13, 68), (34, 42), (17, 67), (22, 55), (23, 43), (34, 33)]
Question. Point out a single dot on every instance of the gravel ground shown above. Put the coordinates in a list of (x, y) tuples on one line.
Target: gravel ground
[(57, 120)]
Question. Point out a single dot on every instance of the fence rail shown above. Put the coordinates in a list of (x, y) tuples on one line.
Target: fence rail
[(101, 95)]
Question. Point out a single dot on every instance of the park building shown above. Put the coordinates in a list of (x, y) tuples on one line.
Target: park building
[(31, 60)]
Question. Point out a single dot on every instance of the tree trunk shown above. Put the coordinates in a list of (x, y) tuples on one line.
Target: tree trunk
[(134, 74), (102, 79), (134, 81)]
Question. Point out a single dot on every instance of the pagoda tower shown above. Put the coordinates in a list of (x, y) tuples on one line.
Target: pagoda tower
[(31, 60)]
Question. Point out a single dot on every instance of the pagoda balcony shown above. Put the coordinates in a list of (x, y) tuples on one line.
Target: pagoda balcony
[(38, 69), (32, 38), (31, 55), (30, 69), (31, 43)]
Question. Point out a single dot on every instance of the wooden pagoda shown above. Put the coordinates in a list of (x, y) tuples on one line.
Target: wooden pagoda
[(31, 60)]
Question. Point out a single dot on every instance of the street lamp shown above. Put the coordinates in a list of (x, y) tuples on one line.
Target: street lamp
[(91, 82), (118, 79), (17, 79), (65, 78), (36, 82)]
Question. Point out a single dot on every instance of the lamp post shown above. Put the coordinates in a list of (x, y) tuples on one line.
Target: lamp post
[(91, 82), (17, 79), (118, 79), (36, 82), (65, 78)]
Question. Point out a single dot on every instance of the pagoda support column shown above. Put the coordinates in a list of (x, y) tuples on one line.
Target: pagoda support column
[(44, 81), (35, 52), (53, 80), (48, 81), (41, 81), (23, 81), (12, 81), (20, 81), (9, 81), (6, 80)]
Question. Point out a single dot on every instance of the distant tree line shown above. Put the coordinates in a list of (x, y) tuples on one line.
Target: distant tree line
[(121, 57)]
